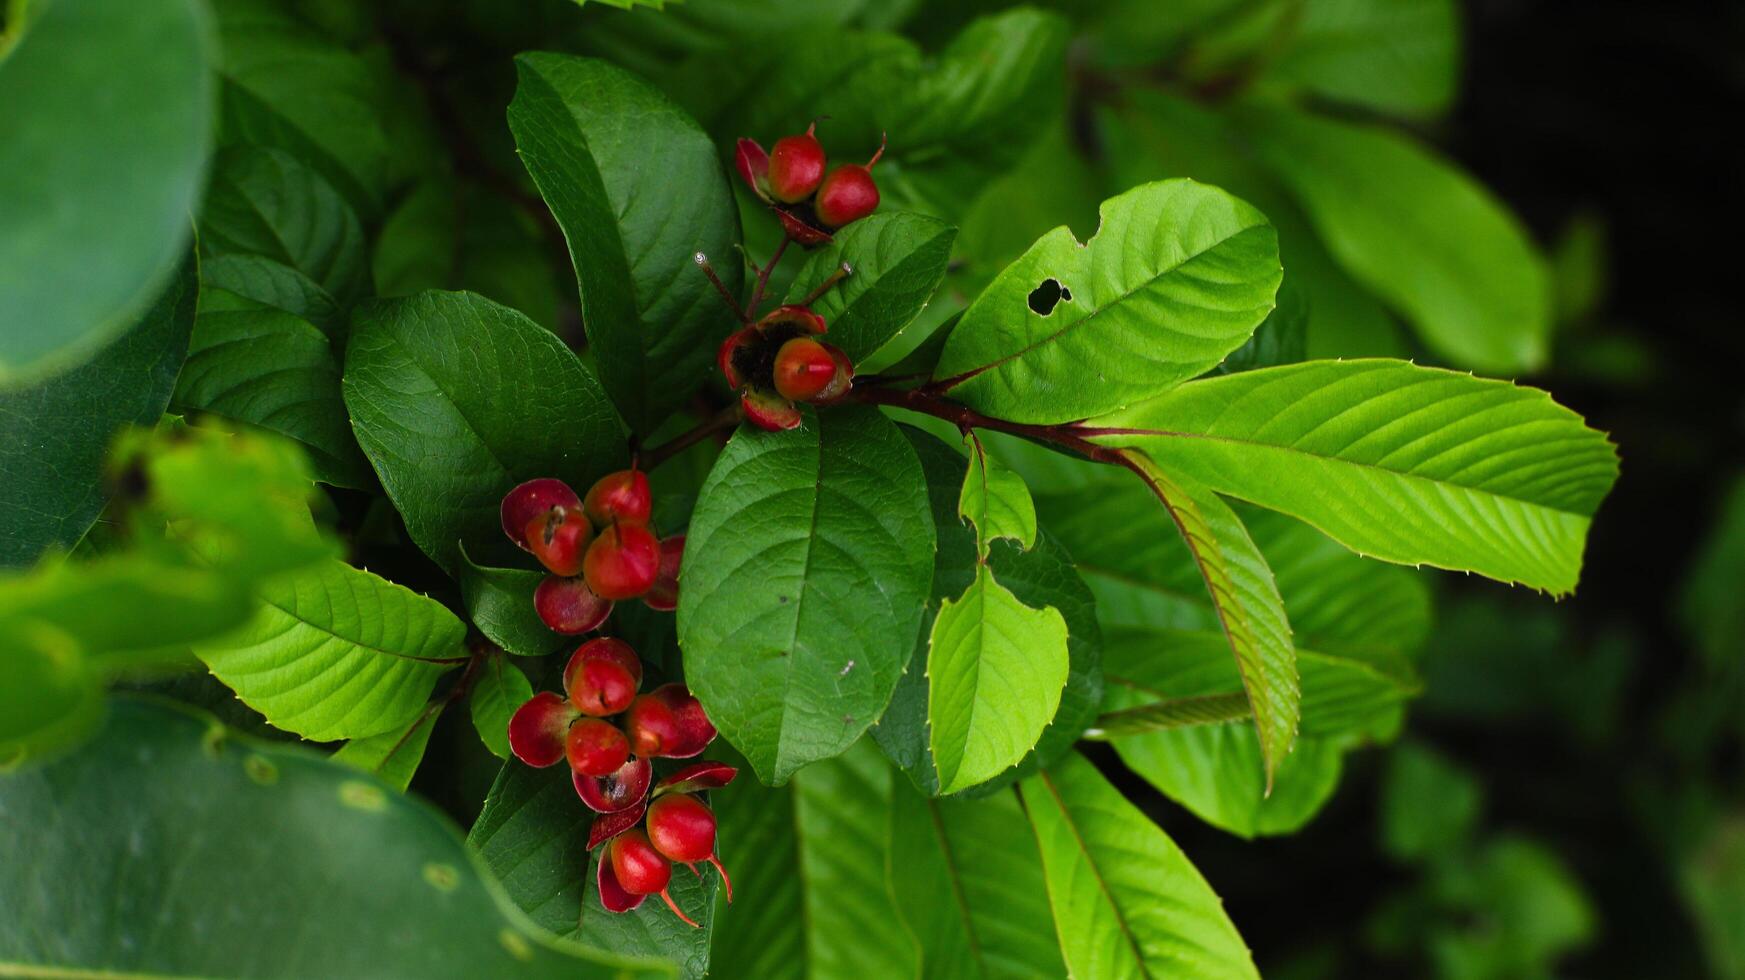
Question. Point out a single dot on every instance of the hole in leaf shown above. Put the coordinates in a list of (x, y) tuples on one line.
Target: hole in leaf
[(1044, 298)]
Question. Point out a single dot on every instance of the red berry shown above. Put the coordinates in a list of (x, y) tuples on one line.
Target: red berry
[(621, 789), (559, 539), (602, 676), (796, 167), (568, 606), (613, 897), (803, 369), (641, 870), (668, 722), (848, 194), (623, 562), (681, 827), (536, 730), (664, 597), (596, 748), (530, 500), (620, 497)]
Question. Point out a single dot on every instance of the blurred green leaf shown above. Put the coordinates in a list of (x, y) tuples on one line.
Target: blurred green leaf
[(98, 173), (1429, 805), (1712, 608), (393, 755), (1397, 56), (365, 883), (1712, 879)]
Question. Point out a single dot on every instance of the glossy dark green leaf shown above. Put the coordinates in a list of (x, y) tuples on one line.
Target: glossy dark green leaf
[(455, 400), (500, 603), (268, 368), (54, 433), (366, 882), (898, 258), (498, 690), (98, 172), (807, 563), (639, 190), (266, 202), (276, 285)]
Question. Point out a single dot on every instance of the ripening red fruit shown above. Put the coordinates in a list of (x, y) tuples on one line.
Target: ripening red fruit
[(625, 787), (796, 167), (530, 500), (803, 369), (620, 497), (559, 539), (682, 828), (848, 194), (596, 748), (668, 722), (664, 597), (536, 730), (602, 676), (568, 606), (623, 562), (641, 870)]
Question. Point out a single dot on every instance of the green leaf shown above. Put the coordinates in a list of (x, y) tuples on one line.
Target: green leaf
[(268, 368), (967, 882), (1399, 462), (807, 562), (1170, 714), (1245, 597), (816, 855), (1430, 807), (501, 687), (366, 882), (54, 433), (1178, 275), (287, 87), (500, 603), (1424, 236), (336, 652), (98, 173), (1712, 881), (639, 190), (533, 833), (266, 202), (1043, 577), (455, 400), (996, 501), (1399, 56), (275, 285), (1710, 607), (1126, 900), (898, 258), (393, 755), (995, 669)]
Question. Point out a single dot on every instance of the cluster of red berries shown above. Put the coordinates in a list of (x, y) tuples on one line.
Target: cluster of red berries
[(790, 179), (776, 362), (599, 549), (610, 767)]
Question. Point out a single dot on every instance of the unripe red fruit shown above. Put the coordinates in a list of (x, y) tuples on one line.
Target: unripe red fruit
[(796, 167), (530, 500), (606, 648), (596, 748), (848, 194), (639, 868), (668, 722), (664, 597), (536, 730), (568, 606), (559, 539), (803, 369), (602, 688), (623, 562), (682, 828), (620, 497)]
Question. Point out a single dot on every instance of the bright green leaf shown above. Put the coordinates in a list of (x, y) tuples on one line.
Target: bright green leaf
[(898, 259), (1421, 234), (995, 669), (500, 688), (1126, 900), (393, 755), (365, 882), (639, 190), (98, 171), (1399, 462), (1398, 56), (996, 501), (1178, 275), (455, 400), (54, 433), (336, 652)]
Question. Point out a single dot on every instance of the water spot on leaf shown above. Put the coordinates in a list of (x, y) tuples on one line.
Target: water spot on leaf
[(212, 741), (516, 944), (260, 770), (1045, 297), (442, 877), (362, 796)]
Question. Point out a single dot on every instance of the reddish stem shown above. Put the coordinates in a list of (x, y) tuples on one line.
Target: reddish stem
[(763, 279), (725, 419)]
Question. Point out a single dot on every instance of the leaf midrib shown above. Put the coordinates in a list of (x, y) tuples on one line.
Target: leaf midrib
[(1096, 872)]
